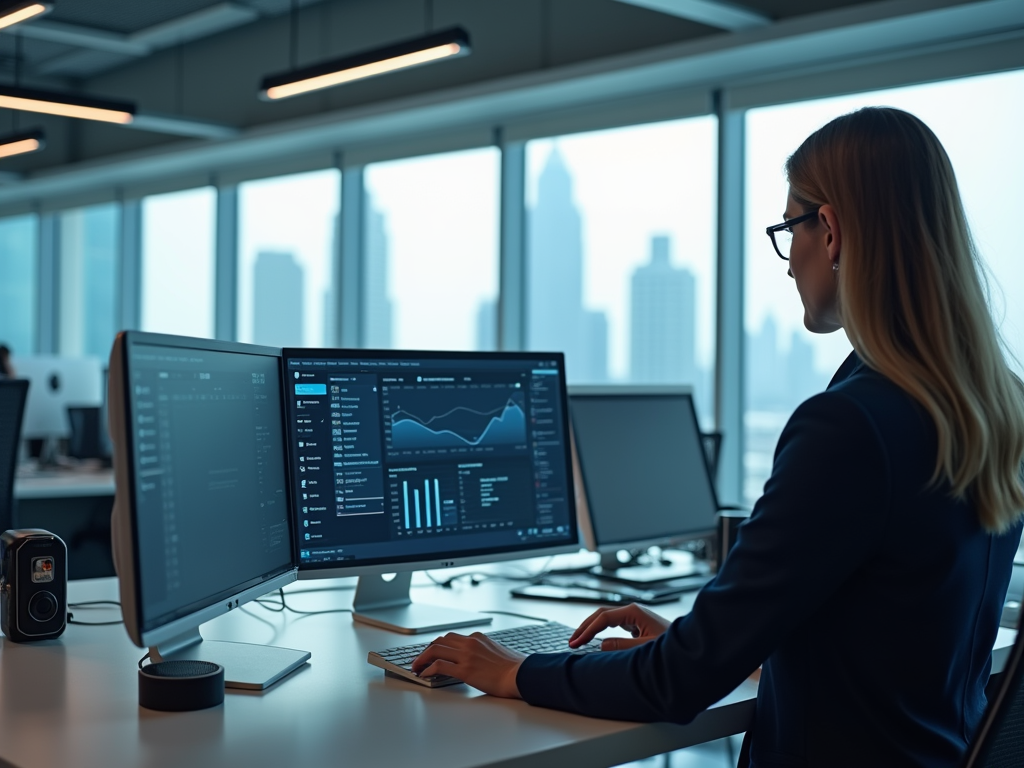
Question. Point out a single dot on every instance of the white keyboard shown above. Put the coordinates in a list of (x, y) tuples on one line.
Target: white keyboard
[(550, 637)]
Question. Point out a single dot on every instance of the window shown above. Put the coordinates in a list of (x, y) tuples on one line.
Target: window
[(18, 266), (430, 269), (178, 262), (88, 262), (979, 125), (621, 254), (287, 237)]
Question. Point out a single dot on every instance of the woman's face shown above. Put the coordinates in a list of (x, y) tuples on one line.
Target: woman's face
[(814, 250)]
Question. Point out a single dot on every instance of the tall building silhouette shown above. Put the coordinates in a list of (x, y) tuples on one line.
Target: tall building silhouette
[(487, 326), (377, 308), (557, 319), (663, 316), (278, 306)]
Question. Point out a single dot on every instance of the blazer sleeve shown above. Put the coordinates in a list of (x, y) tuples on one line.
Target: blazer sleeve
[(818, 520)]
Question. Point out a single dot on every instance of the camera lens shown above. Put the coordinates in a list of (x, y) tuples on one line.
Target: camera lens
[(42, 606)]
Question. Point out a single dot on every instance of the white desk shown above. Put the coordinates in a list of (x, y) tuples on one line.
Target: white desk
[(63, 484), (74, 701)]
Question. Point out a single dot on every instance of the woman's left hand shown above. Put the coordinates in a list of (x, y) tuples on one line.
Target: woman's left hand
[(476, 660)]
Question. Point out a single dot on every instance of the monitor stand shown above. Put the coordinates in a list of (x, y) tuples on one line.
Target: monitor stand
[(388, 605), (246, 665), (640, 575)]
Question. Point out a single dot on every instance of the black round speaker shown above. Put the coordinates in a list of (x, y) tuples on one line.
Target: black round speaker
[(180, 686), (42, 606)]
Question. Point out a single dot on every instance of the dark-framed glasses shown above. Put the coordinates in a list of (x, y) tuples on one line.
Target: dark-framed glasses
[(781, 235)]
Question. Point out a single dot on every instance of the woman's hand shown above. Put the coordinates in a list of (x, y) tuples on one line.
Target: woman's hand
[(643, 624), (476, 660)]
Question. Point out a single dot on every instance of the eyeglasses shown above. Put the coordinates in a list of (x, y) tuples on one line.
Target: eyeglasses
[(781, 235)]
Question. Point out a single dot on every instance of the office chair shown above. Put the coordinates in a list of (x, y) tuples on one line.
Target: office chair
[(999, 742), (13, 393)]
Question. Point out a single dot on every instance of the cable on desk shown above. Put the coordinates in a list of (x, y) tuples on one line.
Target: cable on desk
[(279, 607), (478, 577), (91, 604), (517, 615)]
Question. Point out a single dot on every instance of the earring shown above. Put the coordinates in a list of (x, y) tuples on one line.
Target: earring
[(835, 266)]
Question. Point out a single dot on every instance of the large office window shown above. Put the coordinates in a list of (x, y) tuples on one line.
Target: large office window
[(621, 253), (18, 268), (178, 231), (978, 121), (430, 259), (88, 262), (286, 238)]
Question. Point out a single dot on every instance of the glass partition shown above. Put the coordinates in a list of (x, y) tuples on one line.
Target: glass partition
[(88, 279), (18, 287), (178, 231), (430, 252), (979, 125), (621, 254), (287, 231)]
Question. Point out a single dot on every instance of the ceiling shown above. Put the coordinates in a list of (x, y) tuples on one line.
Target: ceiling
[(193, 66)]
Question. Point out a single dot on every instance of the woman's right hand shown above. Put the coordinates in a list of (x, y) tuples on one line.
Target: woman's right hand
[(643, 624)]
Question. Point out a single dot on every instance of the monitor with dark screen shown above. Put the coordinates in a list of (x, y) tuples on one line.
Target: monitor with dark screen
[(202, 519), (645, 478)]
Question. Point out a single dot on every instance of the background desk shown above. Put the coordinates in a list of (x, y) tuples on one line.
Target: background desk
[(74, 701), (74, 504)]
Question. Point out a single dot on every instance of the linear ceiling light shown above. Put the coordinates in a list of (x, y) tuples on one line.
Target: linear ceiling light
[(66, 105), (17, 12), (447, 44), (22, 143)]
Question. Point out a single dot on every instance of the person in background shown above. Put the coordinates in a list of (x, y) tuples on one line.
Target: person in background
[(6, 366), (870, 577)]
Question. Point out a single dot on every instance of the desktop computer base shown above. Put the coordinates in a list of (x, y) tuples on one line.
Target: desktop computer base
[(388, 605), (246, 665), (661, 570)]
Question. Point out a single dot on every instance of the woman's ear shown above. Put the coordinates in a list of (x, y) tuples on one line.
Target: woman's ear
[(833, 235)]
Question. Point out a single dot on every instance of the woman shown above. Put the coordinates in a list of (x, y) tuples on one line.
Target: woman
[(870, 577)]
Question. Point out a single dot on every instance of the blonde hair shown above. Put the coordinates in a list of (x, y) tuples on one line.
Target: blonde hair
[(911, 299)]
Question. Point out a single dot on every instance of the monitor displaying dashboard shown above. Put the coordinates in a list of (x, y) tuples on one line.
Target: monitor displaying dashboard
[(418, 457)]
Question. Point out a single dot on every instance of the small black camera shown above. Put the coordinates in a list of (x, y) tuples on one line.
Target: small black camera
[(34, 585)]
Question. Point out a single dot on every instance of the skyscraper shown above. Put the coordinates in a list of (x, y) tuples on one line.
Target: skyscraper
[(663, 320), (278, 312), (377, 308), (557, 318)]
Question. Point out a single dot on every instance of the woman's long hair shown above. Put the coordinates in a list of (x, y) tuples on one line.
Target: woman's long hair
[(911, 299)]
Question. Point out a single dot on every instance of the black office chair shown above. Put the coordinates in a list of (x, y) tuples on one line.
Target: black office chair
[(13, 393), (999, 742)]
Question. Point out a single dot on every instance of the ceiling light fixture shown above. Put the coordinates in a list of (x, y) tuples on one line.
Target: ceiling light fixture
[(22, 143), (66, 105), (21, 10), (446, 44)]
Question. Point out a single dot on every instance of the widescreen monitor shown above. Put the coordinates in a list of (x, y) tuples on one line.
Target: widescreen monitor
[(403, 461), (202, 520), (641, 460)]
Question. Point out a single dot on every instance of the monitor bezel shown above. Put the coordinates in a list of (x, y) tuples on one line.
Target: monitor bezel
[(418, 562), (124, 531), (587, 526)]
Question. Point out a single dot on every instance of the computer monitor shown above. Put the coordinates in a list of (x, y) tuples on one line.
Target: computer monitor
[(56, 384), (404, 461), (643, 477), (202, 519)]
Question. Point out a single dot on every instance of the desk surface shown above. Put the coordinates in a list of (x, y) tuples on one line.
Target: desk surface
[(74, 701), (64, 483)]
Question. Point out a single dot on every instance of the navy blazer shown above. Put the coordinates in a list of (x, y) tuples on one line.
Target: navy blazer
[(871, 597)]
